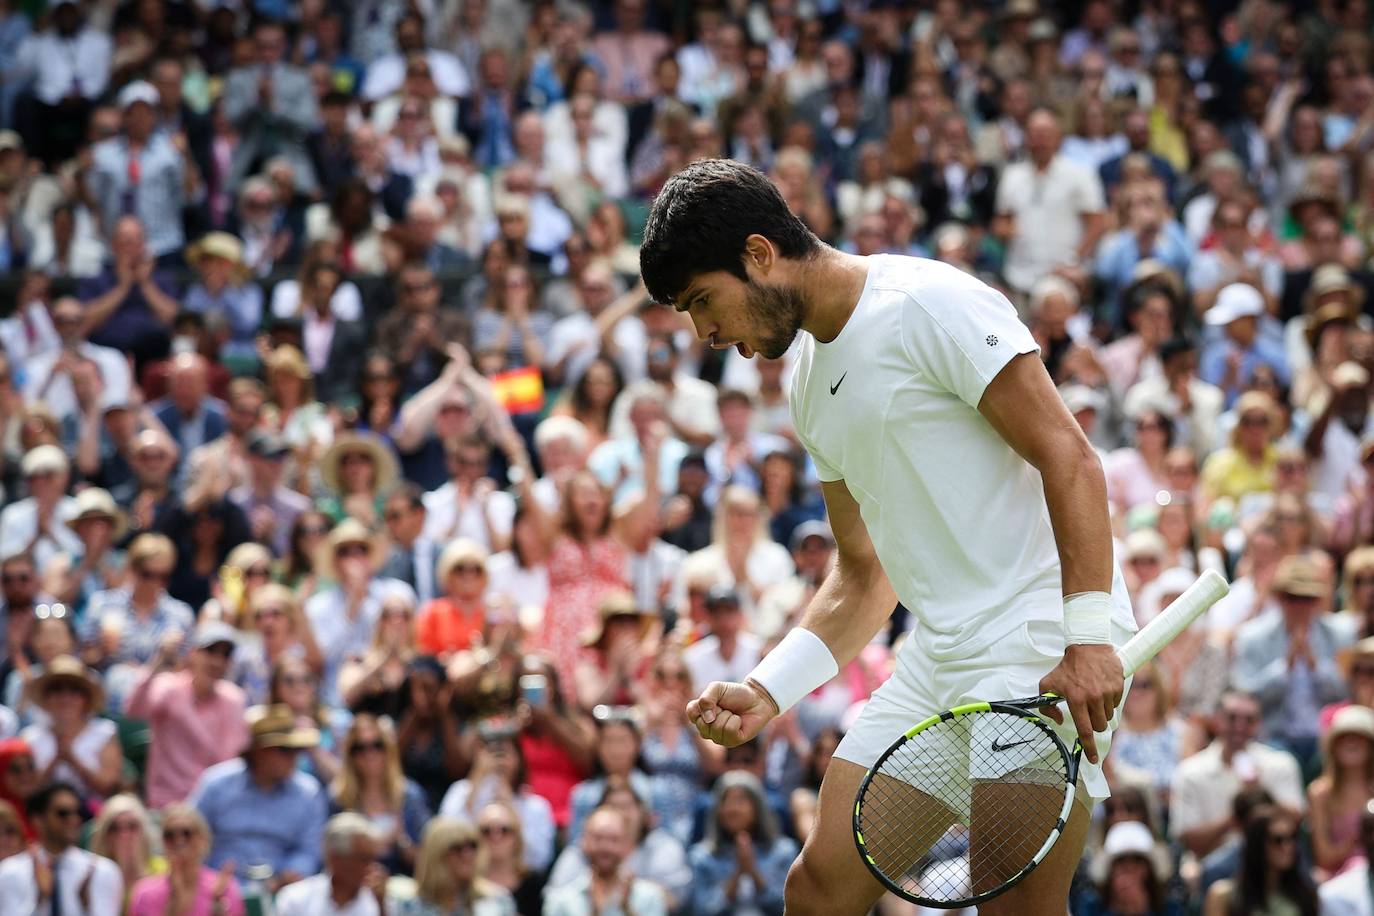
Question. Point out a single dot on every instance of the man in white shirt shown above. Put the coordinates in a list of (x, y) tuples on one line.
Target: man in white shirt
[(1048, 209), (1204, 784), (55, 875), (608, 888), (731, 651), (352, 883), (470, 505), (691, 406), (37, 525), (604, 326), (48, 376), (344, 616), (69, 65), (955, 479)]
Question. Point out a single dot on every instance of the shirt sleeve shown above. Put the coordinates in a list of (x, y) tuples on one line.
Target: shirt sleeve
[(960, 332), (1090, 196)]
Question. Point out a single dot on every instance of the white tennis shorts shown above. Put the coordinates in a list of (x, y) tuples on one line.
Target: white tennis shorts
[(1009, 669)]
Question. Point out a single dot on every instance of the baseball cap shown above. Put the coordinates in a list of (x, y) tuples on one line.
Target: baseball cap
[(1236, 300), (10, 140), (213, 633), (138, 91), (813, 528), (44, 459), (267, 444)]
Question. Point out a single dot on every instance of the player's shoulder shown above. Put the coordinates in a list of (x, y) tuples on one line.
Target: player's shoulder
[(927, 282)]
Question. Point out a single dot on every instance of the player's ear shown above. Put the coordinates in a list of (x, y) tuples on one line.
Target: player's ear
[(759, 254)]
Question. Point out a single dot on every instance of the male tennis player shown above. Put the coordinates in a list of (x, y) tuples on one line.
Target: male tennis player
[(955, 479)]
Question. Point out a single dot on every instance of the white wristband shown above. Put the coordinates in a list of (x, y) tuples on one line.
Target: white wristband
[(1088, 619), (796, 666)]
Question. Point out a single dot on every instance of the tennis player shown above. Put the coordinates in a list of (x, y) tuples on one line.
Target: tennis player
[(955, 480)]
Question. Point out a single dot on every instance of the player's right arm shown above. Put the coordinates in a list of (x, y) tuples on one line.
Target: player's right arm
[(852, 604)]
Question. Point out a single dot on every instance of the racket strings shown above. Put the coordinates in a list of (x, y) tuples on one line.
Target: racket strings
[(963, 806)]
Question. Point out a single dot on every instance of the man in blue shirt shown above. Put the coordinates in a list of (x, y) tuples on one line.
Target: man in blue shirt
[(1240, 339), (260, 808)]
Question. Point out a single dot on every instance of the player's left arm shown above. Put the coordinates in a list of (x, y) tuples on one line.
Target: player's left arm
[(1022, 405)]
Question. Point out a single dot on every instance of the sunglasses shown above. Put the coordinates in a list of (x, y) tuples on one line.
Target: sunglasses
[(464, 846), (66, 814), (222, 649), (296, 680), (126, 827), (1249, 717), (269, 612), (1254, 421), (363, 747), (1282, 839), (10, 830), (177, 834), (154, 575), (473, 569), (21, 765), (497, 830), (257, 572), (352, 550), (63, 687)]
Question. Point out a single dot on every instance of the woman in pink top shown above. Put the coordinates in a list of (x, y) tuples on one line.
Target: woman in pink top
[(188, 888)]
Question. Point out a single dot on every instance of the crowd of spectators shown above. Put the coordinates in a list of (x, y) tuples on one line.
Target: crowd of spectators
[(365, 529)]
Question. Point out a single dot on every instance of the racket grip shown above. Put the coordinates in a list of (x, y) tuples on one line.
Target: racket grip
[(1210, 587)]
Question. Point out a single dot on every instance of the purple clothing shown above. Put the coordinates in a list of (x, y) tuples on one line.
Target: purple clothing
[(133, 326), (149, 897)]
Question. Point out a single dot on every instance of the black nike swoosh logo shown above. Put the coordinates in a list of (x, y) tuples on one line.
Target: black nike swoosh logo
[(1007, 747), (836, 387)]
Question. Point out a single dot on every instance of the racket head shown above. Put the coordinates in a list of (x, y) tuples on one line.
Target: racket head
[(982, 787)]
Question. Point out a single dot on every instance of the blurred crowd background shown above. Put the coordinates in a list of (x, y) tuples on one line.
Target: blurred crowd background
[(365, 528)]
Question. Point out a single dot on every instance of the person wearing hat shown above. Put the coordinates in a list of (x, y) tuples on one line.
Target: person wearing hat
[(729, 651), (194, 713), (359, 469), (260, 808), (1144, 556), (51, 376), (345, 616), (99, 525), (1247, 340), (1337, 798), (37, 524), (73, 743), (270, 506), (223, 287), (1288, 659), (1130, 874), (291, 400), (456, 620), (1338, 427), (1247, 464), (813, 551), (143, 171), (614, 669)]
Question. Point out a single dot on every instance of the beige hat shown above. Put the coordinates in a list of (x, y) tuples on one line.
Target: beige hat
[(1298, 575), (352, 531), (367, 443), (1147, 542), (617, 604), (1350, 720), (1332, 278), (217, 245), (42, 459), (69, 669), (275, 726), (463, 549), (93, 502), (1328, 314)]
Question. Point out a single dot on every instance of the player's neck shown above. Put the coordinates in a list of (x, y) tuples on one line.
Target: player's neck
[(833, 282)]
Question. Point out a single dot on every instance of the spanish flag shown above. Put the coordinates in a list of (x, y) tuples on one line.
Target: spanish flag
[(519, 390)]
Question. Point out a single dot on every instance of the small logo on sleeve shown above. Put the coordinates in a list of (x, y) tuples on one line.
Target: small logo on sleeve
[(991, 339)]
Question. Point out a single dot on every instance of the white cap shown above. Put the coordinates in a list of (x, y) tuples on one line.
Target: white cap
[(1081, 397), (1236, 300), (1128, 838), (138, 91), (44, 458)]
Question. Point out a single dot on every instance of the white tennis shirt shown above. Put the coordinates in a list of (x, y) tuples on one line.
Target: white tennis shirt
[(890, 406)]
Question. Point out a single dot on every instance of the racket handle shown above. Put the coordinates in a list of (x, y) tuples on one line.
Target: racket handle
[(1173, 620)]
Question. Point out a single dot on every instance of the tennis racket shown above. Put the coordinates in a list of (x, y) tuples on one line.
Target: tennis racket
[(968, 802)]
